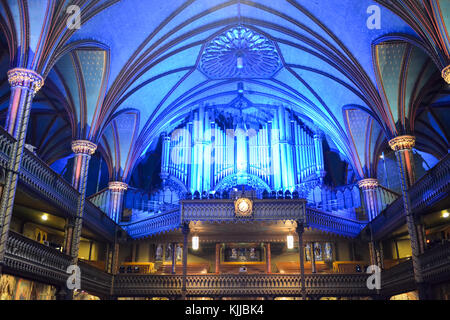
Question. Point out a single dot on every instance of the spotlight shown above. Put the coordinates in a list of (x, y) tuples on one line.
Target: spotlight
[(44, 217), (445, 214)]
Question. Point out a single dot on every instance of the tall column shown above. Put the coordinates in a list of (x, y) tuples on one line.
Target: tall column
[(320, 167), (313, 258), (300, 230), (217, 258), (117, 189), (402, 145), (174, 258), (83, 150), (185, 231), (24, 85), (369, 188), (268, 258)]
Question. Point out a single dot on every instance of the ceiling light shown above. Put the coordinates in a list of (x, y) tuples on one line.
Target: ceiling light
[(44, 217), (445, 214)]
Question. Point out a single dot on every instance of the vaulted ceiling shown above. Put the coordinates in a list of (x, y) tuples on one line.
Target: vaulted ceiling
[(136, 68)]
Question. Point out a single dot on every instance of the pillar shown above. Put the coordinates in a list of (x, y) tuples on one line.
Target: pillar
[(217, 258), (117, 189), (268, 258), (313, 258), (83, 150), (402, 145), (68, 232), (174, 258), (185, 231), (24, 85), (300, 230)]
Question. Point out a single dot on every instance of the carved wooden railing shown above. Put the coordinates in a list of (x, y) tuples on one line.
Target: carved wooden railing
[(432, 187), (167, 221), (398, 279), (325, 221), (28, 258), (435, 263), (241, 285), (39, 178)]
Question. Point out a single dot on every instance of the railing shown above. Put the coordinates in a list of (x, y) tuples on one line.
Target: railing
[(398, 279), (242, 285), (6, 144), (31, 258), (432, 187), (331, 223), (157, 224), (435, 262), (94, 280)]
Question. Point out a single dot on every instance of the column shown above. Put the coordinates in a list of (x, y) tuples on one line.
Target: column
[(68, 232), (320, 168), (313, 258), (369, 188), (24, 85), (402, 145), (185, 231), (268, 258), (300, 230), (174, 258), (83, 150), (217, 258), (117, 190)]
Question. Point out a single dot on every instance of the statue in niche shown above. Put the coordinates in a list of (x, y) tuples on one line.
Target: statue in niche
[(242, 256), (159, 251), (233, 253), (179, 253), (252, 253), (169, 252), (318, 251), (308, 252)]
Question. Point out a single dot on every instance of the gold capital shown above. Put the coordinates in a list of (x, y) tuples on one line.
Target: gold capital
[(402, 143), (446, 74), (83, 147), (117, 186), (367, 184), (25, 78)]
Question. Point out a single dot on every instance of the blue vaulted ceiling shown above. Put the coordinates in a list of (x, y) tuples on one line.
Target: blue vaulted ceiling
[(316, 57)]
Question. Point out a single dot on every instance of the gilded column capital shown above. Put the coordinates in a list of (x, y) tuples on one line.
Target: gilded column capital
[(402, 142), (368, 184), (117, 186), (25, 78), (83, 147), (446, 74)]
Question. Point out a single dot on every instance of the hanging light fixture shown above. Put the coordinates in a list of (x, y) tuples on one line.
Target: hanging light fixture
[(195, 243), (290, 241)]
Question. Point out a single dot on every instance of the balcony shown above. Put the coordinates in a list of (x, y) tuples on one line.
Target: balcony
[(28, 258), (433, 187), (242, 285), (38, 179)]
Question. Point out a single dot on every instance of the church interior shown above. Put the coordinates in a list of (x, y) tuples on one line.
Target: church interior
[(224, 150)]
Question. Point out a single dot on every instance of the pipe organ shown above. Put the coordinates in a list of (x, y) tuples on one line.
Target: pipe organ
[(279, 154)]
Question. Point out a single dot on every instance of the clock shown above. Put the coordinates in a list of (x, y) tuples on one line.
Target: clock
[(243, 207)]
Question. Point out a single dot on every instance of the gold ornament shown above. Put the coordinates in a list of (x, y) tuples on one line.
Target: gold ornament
[(243, 207), (25, 78), (368, 184), (117, 186), (83, 147), (446, 74), (402, 143)]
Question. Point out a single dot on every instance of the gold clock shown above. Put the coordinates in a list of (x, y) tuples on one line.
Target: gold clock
[(243, 207)]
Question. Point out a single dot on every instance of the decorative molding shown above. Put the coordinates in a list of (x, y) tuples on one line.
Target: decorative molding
[(446, 74), (117, 186), (20, 77), (368, 184), (402, 143), (83, 147), (240, 53)]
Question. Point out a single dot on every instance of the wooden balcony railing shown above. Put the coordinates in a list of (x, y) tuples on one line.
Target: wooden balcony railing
[(242, 285)]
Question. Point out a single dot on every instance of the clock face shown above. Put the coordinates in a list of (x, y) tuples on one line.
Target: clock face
[(243, 206)]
